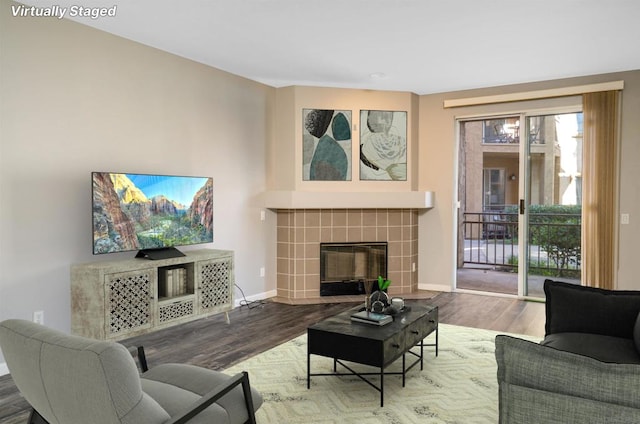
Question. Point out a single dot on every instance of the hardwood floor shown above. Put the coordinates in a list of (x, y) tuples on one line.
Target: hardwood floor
[(214, 344), (502, 314)]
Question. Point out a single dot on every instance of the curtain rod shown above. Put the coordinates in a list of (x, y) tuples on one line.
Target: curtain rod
[(532, 95)]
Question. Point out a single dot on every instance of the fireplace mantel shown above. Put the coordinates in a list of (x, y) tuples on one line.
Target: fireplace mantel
[(348, 200)]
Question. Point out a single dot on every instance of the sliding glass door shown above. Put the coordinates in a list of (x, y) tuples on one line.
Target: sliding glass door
[(520, 199)]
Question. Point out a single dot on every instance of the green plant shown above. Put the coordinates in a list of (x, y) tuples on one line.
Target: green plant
[(383, 283), (513, 261), (556, 229)]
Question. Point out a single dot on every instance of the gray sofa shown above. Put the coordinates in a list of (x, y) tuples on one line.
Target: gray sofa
[(587, 368), (598, 323), (74, 380)]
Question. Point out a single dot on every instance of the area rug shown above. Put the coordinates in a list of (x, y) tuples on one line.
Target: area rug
[(459, 386)]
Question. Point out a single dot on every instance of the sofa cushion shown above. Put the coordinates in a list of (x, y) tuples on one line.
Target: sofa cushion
[(173, 384), (174, 399), (616, 350), (520, 405), (527, 364), (572, 308)]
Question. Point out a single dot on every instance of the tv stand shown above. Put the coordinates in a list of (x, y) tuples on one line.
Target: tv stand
[(160, 253), (122, 298)]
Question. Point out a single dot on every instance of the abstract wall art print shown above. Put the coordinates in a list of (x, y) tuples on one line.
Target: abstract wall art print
[(383, 145), (326, 138)]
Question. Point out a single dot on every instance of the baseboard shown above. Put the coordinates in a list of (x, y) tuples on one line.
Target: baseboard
[(4, 369), (255, 297), (435, 287)]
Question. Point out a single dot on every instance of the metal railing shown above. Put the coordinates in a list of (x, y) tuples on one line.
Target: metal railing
[(491, 240)]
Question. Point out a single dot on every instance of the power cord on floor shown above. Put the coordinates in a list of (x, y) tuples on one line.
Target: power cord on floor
[(249, 304)]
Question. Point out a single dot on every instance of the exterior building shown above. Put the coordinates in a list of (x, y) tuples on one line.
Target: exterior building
[(490, 149)]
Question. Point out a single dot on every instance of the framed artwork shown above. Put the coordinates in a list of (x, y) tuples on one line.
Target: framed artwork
[(383, 145), (326, 151)]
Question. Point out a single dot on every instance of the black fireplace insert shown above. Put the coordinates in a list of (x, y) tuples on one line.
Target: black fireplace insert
[(345, 268)]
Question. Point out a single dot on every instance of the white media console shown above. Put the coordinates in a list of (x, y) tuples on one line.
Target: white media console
[(123, 298)]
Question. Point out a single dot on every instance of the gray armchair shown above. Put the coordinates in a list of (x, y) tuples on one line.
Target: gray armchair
[(542, 385), (74, 380)]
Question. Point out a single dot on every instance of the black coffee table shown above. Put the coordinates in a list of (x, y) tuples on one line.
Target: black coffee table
[(343, 340)]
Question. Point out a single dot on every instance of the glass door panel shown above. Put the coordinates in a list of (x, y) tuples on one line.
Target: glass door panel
[(552, 210), (488, 193)]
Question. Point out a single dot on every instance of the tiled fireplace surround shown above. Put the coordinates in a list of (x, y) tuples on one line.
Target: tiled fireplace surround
[(300, 232)]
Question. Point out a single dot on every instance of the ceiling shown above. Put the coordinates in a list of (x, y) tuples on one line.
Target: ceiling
[(420, 46)]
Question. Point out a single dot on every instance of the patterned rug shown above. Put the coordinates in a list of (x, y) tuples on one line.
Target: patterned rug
[(459, 386)]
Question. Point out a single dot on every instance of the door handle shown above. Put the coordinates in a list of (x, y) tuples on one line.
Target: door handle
[(521, 206)]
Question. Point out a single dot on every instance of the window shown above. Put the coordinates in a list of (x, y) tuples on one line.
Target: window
[(493, 182), (506, 130)]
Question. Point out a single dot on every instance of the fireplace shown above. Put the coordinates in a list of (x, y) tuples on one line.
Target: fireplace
[(300, 232), (345, 268)]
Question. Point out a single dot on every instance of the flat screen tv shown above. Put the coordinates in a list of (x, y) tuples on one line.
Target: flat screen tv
[(150, 213)]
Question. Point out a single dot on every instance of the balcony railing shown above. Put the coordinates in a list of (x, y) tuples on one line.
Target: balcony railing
[(491, 240)]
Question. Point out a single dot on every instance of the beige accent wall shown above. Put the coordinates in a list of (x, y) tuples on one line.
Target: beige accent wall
[(285, 165), (438, 171), (298, 267)]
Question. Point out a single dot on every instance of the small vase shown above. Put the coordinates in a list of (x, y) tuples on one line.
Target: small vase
[(368, 287), (379, 301)]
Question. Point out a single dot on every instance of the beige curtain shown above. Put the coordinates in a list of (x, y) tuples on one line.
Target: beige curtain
[(599, 189)]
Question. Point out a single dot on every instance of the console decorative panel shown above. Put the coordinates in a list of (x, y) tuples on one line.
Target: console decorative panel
[(215, 284), (129, 301)]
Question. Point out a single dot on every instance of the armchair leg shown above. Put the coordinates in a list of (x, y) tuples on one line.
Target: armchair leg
[(35, 418), (246, 390)]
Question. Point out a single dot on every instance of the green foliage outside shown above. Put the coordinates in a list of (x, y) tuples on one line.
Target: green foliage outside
[(556, 229), (542, 268), (513, 261)]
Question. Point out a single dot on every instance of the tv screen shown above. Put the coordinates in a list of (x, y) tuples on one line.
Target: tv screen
[(139, 211)]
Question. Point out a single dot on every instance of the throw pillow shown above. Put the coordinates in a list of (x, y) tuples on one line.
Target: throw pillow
[(579, 309)]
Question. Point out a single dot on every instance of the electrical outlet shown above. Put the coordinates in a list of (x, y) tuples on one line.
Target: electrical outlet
[(38, 317), (624, 218), (262, 272)]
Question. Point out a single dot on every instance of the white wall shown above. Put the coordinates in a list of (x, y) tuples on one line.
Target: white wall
[(75, 100)]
